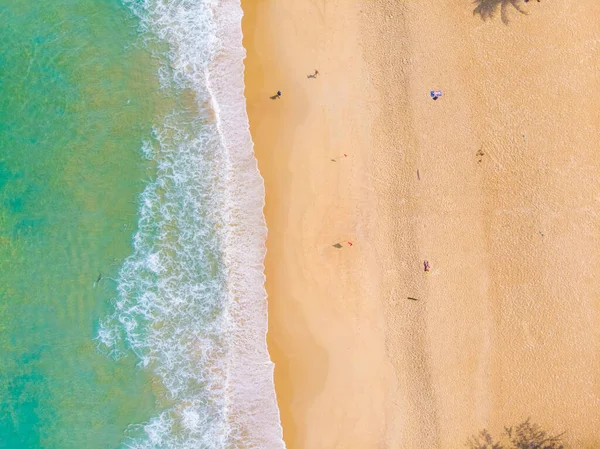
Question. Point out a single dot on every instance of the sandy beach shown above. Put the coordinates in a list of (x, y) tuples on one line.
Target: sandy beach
[(495, 184)]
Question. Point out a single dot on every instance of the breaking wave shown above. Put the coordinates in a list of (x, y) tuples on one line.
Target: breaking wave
[(190, 298)]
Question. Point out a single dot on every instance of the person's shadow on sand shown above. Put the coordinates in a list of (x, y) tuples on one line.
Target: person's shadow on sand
[(487, 8)]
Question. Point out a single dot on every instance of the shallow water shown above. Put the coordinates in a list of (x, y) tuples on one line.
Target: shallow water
[(131, 230), (77, 98)]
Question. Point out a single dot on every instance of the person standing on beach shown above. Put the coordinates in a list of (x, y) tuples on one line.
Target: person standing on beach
[(314, 75), (276, 96)]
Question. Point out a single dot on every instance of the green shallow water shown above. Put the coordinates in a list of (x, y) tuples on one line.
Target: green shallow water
[(77, 97)]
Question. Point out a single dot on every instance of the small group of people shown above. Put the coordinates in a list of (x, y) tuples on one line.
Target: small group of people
[(435, 94), (278, 94)]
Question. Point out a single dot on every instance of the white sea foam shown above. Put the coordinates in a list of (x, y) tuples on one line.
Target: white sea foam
[(191, 302), (147, 150)]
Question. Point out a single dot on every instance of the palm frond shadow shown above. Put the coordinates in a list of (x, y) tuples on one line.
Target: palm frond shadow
[(488, 8)]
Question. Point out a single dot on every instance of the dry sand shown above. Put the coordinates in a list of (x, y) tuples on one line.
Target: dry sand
[(507, 322)]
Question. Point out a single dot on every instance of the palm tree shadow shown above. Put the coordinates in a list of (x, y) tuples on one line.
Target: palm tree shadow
[(487, 8)]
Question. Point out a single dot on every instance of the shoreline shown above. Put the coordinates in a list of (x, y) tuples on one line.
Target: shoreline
[(356, 363), (306, 274)]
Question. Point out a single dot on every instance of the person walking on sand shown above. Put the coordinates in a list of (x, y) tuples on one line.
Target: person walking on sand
[(426, 266), (276, 96), (314, 75)]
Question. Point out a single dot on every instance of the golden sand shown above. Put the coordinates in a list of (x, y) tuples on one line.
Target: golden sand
[(507, 321)]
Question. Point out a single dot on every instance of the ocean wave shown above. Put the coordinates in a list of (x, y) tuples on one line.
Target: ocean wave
[(190, 298)]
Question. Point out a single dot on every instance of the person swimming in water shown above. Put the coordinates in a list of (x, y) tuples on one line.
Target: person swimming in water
[(98, 280)]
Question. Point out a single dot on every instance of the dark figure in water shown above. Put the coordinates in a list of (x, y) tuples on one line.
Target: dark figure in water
[(98, 280), (276, 96)]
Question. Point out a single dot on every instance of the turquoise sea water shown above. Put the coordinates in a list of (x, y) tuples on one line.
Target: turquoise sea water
[(77, 97), (125, 156)]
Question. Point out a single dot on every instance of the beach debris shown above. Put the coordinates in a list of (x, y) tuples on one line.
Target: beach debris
[(276, 96), (339, 245), (480, 155), (426, 266), (339, 157), (418, 175), (314, 75), (412, 299), (435, 94)]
